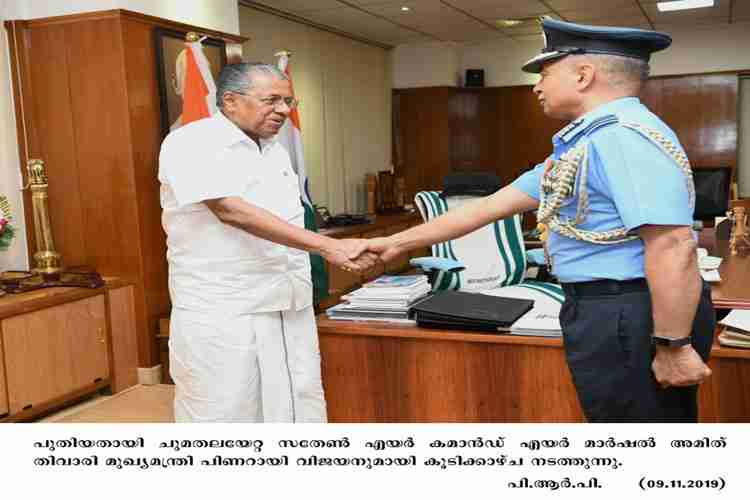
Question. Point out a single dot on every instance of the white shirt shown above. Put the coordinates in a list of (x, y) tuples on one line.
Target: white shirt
[(214, 267)]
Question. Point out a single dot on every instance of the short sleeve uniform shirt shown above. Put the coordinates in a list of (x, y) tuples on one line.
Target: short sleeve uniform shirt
[(631, 182)]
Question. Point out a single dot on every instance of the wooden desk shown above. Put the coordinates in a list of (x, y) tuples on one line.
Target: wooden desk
[(733, 292), (382, 372)]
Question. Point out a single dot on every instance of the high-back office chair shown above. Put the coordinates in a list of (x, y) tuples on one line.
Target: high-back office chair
[(713, 186), (494, 259), (493, 256)]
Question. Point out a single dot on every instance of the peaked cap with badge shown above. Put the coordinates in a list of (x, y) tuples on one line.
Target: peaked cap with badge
[(562, 39)]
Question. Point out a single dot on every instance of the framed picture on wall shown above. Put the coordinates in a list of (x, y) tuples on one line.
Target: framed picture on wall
[(170, 70)]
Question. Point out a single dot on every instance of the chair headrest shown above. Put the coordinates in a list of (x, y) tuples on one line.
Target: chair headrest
[(470, 183)]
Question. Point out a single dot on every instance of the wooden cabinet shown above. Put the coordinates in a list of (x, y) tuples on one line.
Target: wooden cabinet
[(124, 344), (503, 130), (59, 344), (55, 351), (87, 102)]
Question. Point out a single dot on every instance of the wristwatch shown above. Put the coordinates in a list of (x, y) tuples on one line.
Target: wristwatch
[(671, 342)]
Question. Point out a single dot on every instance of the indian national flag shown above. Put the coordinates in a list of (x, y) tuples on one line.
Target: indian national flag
[(199, 91), (290, 137)]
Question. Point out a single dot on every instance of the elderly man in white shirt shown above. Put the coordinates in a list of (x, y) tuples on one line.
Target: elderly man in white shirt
[(243, 343)]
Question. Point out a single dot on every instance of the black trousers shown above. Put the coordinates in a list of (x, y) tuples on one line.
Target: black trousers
[(607, 327)]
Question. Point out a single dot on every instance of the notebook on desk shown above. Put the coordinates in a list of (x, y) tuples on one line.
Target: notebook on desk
[(469, 311)]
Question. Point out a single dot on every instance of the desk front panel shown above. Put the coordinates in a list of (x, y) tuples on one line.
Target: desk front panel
[(378, 372), (396, 379)]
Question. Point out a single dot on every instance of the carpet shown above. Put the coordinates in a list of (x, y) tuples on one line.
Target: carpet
[(138, 404)]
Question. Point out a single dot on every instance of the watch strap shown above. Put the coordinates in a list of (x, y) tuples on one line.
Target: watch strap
[(671, 342)]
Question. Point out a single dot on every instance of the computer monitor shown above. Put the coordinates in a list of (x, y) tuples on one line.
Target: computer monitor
[(711, 192)]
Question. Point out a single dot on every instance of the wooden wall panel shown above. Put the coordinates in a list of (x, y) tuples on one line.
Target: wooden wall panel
[(702, 110), (526, 133), (102, 140), (474, 129), (105, 161), (504, 129), (145, 131), (48, 65), (465, 131), (424, 138)]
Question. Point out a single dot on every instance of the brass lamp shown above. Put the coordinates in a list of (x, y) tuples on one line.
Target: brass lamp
[(48, 261)]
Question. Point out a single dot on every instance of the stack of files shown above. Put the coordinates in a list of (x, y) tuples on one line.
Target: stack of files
[(469, 311), (736, 329), (387, 298), (357, 313), (543, 320)]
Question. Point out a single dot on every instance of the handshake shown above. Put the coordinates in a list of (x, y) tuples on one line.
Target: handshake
[(359, 255)]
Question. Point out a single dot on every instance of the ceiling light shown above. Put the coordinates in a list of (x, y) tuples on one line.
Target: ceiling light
[(405, 9), (683, 4), (508, 23)]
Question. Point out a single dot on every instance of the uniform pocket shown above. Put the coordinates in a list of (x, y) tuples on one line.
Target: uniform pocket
[(591, 329)]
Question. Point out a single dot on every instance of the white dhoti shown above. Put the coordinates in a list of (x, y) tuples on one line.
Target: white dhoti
[(256, 367)]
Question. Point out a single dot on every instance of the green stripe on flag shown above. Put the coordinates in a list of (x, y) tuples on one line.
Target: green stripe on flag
[(317, 264)]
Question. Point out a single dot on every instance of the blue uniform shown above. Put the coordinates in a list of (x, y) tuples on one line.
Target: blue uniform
[(631, 182), (607, 315)]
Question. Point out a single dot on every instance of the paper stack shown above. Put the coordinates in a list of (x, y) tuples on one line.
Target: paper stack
[(736, 329), (387, 298), (708, 266), (544, 319)]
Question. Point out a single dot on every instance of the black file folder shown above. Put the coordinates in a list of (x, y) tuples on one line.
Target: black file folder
[(469, 311)]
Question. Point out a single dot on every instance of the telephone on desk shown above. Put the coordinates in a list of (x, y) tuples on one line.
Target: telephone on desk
[(347, 220), (326, 220)]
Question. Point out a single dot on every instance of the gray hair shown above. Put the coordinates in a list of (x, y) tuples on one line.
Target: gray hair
[(241, 77), (620, 70)]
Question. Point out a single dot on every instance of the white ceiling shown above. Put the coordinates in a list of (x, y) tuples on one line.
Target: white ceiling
[(384, 22)]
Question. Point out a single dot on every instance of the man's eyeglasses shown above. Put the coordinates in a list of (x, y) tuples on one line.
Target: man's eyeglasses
[(274, 101)]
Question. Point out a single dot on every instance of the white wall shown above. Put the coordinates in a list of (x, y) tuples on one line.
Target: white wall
[(697, 49), (426, 65), (694, 50), (10, 174), (345, 112), (743, 162)]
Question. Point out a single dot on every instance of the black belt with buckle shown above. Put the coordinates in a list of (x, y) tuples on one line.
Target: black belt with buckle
[(605, 287)]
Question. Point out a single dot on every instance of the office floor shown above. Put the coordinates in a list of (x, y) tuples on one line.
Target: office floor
[(138, 404)]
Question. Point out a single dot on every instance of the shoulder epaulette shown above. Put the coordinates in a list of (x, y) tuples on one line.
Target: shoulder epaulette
[(578, 127), (599, 123)]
